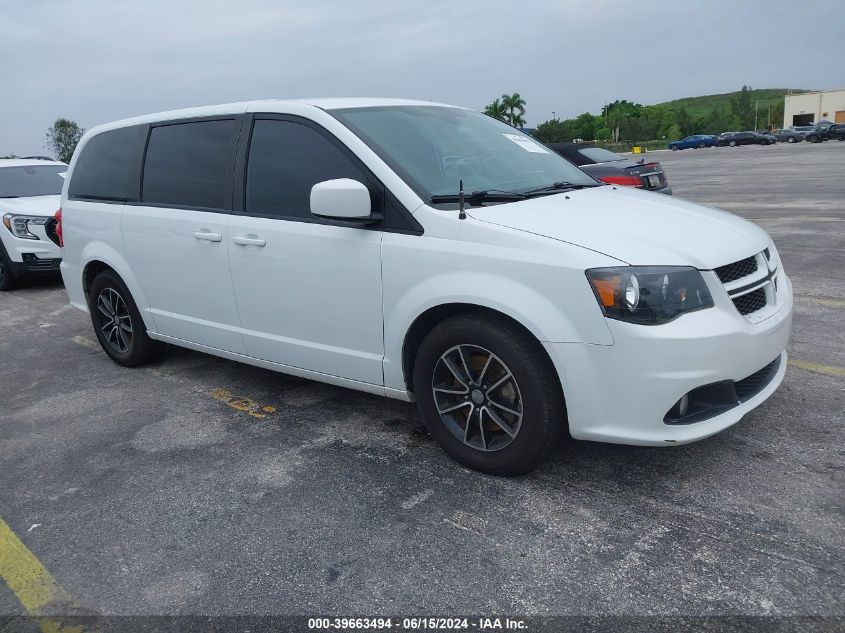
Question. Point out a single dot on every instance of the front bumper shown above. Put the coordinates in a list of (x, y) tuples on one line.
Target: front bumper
[(31, 257), (621, 393)]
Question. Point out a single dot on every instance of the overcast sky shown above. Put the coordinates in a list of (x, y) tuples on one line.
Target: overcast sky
[(99, 60)]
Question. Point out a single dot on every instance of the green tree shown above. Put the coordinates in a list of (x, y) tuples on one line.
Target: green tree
[(496, 110), (742, 107), (555, 131), (668, 128), (514, 106), (685, 123), (616, 114), (585, 126), (62, 138), (719, 121)]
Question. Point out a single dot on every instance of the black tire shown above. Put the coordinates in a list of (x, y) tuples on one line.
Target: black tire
[(674, 148), (131, 347), (533, 389), (732, 143), (8, 281), (701, 145), (790, 139)]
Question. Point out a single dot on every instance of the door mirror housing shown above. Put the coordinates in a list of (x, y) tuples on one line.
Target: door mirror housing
[(342, 199)]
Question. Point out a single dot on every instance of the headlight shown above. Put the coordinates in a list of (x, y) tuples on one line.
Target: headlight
[(649, 295), (18, 225)]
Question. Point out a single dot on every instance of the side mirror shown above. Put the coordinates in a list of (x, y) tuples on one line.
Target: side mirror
[(342, 199)]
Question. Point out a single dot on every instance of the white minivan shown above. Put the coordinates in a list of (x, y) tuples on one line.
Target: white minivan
[(425, 252)]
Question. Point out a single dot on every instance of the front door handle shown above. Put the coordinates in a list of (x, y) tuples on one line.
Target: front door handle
[(243, 240), (208, 236)]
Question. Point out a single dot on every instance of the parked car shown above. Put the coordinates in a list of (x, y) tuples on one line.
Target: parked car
[(805, 130), (427, 253), (697, 141), (787, 136), (817, 134), (742, 138), (29, 197), (836, 131), (767, 138), (614, 169)]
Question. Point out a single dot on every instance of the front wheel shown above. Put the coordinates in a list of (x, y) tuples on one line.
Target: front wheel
[(790, 139), (701, 145), (674, 148), (118, 324), (488, 394), (732, 143)]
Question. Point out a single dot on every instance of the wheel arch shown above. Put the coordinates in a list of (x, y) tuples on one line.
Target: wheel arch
[(434, 315), (98, 257)]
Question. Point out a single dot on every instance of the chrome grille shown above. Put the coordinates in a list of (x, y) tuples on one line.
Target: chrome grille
[(737, 270)]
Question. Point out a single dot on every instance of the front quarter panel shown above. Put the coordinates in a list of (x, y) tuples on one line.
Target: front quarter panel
[(537, 281)]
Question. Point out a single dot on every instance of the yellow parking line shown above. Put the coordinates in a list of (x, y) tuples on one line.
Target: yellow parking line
[(33, 586), (828, 370), (242, 404), (828, 303)]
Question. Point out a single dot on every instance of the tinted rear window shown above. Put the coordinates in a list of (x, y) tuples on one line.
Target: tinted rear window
[(31, 180), (187, 164), (105, 168), (599, 154)]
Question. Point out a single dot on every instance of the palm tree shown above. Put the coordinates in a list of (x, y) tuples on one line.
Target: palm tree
[(496, 110), (514, 105)]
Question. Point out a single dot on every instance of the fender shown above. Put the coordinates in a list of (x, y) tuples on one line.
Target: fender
[(547, 321), (103, 252)]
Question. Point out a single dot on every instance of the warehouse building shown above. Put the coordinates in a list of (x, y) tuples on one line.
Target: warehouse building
[(812, 107)]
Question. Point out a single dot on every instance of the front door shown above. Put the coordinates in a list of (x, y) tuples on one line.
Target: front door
[(308, 291)]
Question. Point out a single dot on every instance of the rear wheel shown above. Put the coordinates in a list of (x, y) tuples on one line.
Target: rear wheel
[(674, 148), (8, 281), (118, 324), (488, 394), (790, 139), (701, 145)]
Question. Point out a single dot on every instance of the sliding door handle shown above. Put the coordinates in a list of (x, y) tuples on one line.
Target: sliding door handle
[(208, 236), (243, 240)]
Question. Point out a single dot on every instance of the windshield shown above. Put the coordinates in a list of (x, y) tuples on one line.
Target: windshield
[(31, 180), (433, 148), (599, 154)]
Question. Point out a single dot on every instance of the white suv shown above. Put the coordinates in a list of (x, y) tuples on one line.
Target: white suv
[(328, 239), (29, 197)]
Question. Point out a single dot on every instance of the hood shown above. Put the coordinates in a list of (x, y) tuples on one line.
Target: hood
[(36, 205), (636, 227)]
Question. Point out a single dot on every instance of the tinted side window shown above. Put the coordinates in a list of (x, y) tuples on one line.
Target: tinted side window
[(285, 160), (104, 169), (187, 164)]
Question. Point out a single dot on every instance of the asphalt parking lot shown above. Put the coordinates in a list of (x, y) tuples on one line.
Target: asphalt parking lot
[(201, 486)]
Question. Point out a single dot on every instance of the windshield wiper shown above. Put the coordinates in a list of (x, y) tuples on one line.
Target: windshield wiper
[(490, 195), (557, 186)]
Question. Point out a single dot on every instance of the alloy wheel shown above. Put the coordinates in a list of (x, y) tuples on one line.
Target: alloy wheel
[(114, 320), (477, 397)]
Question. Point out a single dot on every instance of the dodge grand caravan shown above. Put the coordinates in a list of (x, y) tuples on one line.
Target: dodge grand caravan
[(430, 253)]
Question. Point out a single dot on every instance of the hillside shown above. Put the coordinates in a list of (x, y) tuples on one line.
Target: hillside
[(703, 105)]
